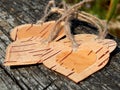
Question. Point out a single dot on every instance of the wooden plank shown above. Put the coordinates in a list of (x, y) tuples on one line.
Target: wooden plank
[(7, 82), (38, 77), (3, 85)]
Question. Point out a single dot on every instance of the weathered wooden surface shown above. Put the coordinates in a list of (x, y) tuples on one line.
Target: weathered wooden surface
[(38, 77)]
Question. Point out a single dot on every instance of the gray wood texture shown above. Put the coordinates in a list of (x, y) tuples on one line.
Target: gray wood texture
[(38, 77)]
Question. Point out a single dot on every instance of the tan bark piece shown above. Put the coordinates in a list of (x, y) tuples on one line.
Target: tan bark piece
[(34, 30), (23, 53), (84, 38), (91, 55), (77, 65)]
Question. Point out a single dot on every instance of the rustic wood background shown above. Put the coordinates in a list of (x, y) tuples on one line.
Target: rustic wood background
[(38, 77)]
